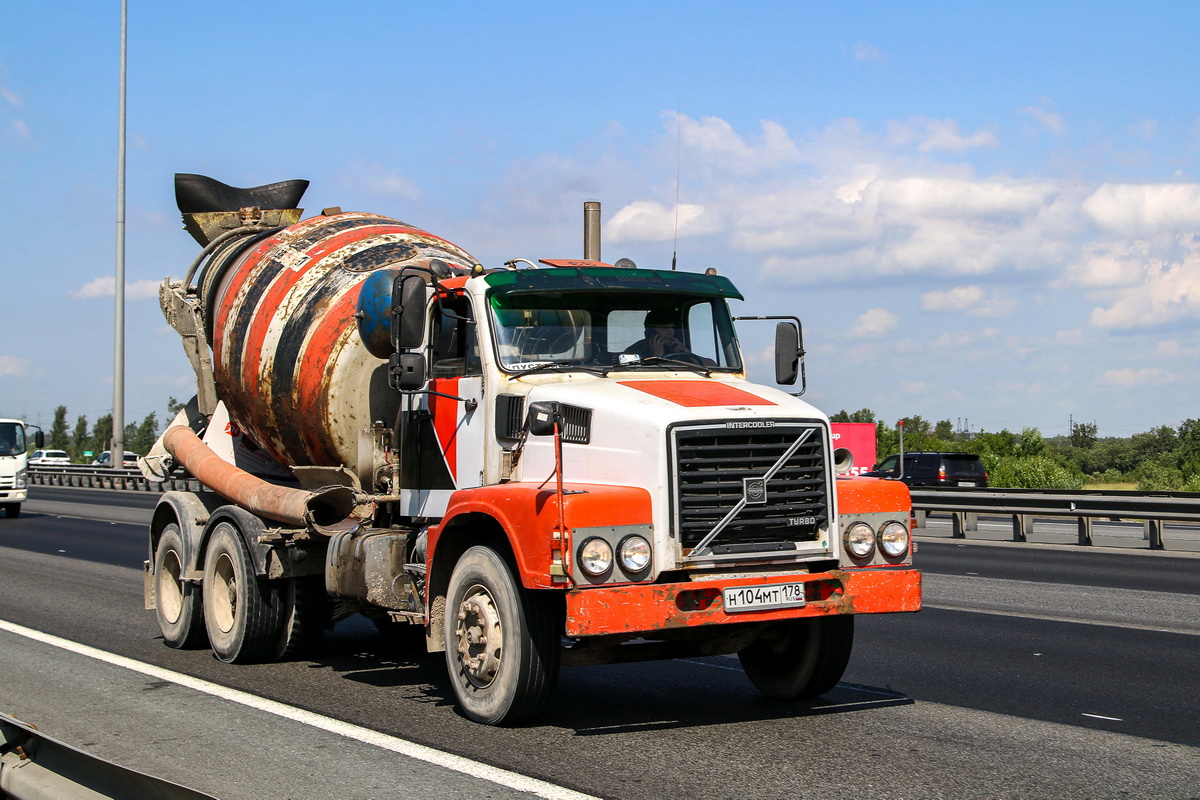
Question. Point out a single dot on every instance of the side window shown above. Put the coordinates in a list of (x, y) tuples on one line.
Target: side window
[(889, 465), (702, 335), (455, 350)]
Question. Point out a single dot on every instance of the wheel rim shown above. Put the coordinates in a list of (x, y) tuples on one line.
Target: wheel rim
[(225, 594), (480, 636), (170, 587)]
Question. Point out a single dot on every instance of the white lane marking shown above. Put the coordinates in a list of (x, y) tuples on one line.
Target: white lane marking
[(474, 769), (1054, 618), (1110, 719)]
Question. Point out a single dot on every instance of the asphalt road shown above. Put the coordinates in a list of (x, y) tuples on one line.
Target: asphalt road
[(1034, 671)]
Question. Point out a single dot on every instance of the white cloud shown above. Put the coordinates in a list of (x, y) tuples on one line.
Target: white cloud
[(378, 181), (959, 298), (865, 51), (1168, 293), (1145, 208), (938, 135), (723, 150), (106, 287), (12, 98), (874, 323), (20, 129), (1052, 121), (13, 365), (1129, 377), (648, 221)]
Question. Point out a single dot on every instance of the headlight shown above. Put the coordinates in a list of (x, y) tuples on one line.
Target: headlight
[(859, 539), (635, 554), (893, 539), (20, 479), (595, 557)]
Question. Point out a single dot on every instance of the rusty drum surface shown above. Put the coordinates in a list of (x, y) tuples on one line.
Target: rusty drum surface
[(289, 361)]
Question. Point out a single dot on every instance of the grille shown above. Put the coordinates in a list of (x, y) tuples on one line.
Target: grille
[(717, 468)]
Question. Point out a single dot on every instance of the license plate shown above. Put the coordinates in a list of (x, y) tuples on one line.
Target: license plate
[(966, 483), (760, 598)]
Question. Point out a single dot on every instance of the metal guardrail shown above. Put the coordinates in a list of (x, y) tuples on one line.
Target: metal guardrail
[(1154, 509), (34, 766), (106, 478)]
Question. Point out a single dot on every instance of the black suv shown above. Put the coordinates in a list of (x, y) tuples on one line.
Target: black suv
[(934, 469)]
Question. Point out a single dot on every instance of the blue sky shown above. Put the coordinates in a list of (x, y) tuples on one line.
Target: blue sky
[(982, 213)]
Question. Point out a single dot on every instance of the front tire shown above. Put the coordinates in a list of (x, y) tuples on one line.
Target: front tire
[(13, 510), (244, 616), (502, 643), (176, 600), (800, 658)]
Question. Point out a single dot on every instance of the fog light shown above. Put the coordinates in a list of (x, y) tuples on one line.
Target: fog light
[(635, 554), (595, 557), (859, 539), (893, 539)]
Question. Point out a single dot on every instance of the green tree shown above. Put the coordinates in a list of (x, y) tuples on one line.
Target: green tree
[(59, 436), (80, 440), (173, 407), (1083, 434), (102, 434), (1031, 443), (944, 430), (141, 438)]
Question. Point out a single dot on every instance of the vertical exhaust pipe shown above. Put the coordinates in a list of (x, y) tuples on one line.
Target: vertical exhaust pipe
[(591, 230)]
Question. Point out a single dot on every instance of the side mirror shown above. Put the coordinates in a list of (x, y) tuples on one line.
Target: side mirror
[(541, 418), (787, 353), (406, 371), (39, 440), (408, 312)]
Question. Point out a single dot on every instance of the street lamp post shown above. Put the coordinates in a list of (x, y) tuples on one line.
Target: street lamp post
[(118, 437)]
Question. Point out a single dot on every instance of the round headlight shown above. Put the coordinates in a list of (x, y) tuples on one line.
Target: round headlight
[(859, 539), (635, 554), (893, 539), (595, 556)]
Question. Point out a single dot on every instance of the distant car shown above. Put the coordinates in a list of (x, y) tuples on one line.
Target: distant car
[(105, 459), (49, 457), (934, 469)]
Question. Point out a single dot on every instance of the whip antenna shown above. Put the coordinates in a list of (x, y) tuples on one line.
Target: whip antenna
[(678, 159)]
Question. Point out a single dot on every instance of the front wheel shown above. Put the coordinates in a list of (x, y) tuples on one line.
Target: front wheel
[(502, 643), (800, 658), (176, 600), (244, 616), (13, 510)]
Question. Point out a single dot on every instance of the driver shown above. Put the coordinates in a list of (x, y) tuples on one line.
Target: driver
[(663, 335)]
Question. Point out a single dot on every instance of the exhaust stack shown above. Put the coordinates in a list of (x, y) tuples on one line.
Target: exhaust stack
[(591, 230)]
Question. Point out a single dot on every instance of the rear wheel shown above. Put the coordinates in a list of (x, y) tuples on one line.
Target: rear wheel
[(502, 644), (176, 600), (244, 616), (309, 613), (800, 658)]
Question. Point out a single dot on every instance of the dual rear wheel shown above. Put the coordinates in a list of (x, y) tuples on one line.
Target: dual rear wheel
[(243, 618)]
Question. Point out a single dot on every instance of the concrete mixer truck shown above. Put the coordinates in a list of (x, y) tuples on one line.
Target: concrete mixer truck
[(534, 465)]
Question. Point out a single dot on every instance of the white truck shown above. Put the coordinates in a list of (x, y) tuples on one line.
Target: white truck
[(14, 464), (536, 465)]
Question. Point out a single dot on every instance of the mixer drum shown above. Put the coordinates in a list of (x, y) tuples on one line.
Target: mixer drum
[(288, 358)]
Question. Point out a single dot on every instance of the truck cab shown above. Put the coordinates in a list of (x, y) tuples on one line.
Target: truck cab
[(13, 465)]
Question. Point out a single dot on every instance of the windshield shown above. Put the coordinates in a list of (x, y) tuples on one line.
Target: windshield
[(613, 327), (12, 438)]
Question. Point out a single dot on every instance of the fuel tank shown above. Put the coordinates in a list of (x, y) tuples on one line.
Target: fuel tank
[(283, 315)]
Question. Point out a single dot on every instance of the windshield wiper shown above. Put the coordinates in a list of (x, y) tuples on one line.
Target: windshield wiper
[(557, 366), (706, 371)]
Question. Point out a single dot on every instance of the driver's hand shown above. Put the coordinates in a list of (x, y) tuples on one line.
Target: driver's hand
[(663, 341)]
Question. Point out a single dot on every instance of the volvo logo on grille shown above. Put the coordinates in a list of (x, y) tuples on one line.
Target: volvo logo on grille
[(754, 490)]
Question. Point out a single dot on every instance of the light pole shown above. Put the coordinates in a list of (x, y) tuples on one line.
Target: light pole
[(118, 437)]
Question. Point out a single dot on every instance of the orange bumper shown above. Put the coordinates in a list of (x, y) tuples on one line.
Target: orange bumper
[(653, 607)]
